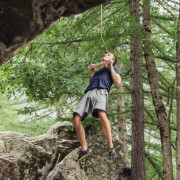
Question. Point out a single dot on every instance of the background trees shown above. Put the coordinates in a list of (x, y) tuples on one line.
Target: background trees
[(51, 73)]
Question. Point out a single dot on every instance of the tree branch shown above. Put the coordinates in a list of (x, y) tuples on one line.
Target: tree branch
[(164, 29), (81, 40), (171, 104), (154, 165), (163, 18), (166, 59), (167, 10)]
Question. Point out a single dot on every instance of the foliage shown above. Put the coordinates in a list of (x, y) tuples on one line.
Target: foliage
[(9, 120), (52, 71)]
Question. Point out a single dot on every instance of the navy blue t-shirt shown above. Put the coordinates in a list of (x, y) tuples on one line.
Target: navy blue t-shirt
[(102, 79)]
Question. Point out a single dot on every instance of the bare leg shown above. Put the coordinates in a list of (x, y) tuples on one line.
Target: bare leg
[(106, 127), (80, 131)]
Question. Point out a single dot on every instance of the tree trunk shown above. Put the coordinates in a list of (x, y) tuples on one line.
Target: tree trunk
[(58, 111), (178, 100), (121, 121), (138, 152), (164, 123)]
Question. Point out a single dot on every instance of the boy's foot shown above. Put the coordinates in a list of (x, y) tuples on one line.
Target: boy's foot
[(83, 154), (112, 153)]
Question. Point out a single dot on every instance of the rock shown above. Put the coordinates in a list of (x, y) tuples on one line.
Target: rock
[(68, 169), (26, 157), (2, 148), (97, 165), (60, 130), (53, 156), (21, 21)]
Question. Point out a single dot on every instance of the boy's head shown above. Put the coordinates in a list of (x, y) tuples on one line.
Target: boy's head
[(110, 56)]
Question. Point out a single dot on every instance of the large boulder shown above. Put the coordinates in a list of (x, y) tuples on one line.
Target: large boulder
[(53, 156), (97, 166), (22, 20), (26, 157)]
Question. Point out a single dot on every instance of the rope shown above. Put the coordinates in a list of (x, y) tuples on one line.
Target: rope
[(101, 31), (101, 21)]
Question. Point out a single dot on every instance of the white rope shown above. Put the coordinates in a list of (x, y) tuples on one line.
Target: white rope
[(101, 31)]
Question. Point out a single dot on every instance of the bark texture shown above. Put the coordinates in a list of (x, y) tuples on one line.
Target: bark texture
[(138, 151), (121, 120), (178, 100), (164, 123), (22, 20)]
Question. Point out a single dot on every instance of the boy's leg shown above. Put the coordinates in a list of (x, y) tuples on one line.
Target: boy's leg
[(80, 131), (106, 127)]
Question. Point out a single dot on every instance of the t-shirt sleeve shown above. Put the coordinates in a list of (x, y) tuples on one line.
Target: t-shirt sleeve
[(117, 70)]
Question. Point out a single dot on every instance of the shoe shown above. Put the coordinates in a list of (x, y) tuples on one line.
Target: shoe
[(112, 153), (83, 154)]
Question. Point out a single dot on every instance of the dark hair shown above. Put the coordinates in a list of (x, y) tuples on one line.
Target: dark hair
[(115, 60)]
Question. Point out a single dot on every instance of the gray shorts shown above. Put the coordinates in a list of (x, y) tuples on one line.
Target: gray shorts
[(92, 101)]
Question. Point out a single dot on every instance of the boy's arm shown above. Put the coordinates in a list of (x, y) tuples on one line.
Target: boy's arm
[(92, 69), (115, 76)]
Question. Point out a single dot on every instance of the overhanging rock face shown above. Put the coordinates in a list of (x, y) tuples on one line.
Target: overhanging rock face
[(22, 20)]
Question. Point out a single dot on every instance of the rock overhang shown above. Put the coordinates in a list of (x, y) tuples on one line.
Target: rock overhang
[(23, 20)]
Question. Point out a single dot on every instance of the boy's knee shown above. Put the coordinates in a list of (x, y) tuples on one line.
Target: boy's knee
[(102, 116), (76, 120)]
